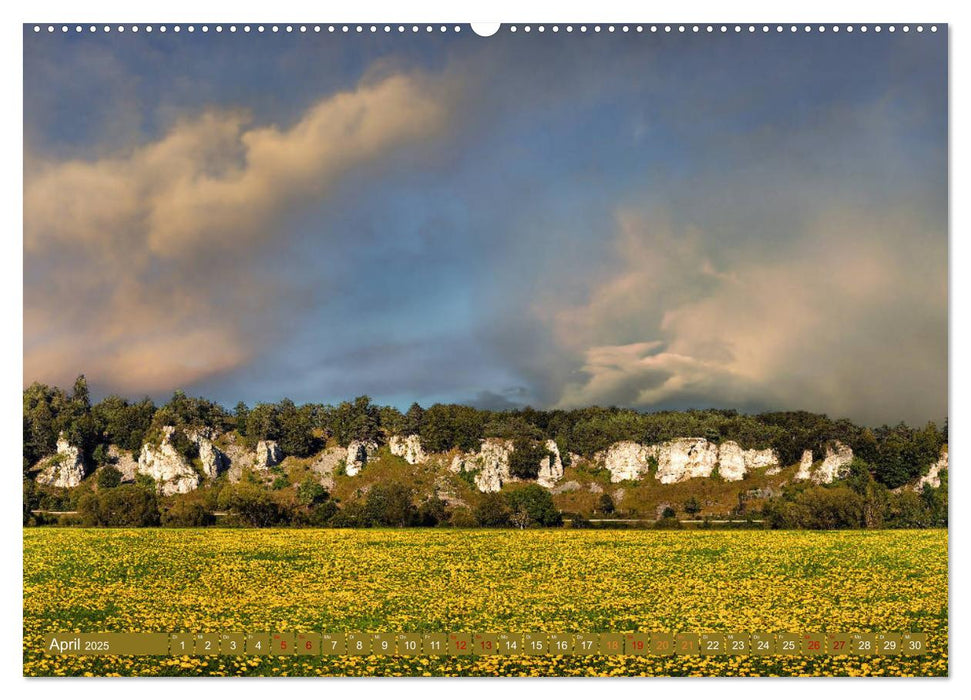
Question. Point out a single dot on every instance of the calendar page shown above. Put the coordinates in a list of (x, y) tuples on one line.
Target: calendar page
[(547, 349)]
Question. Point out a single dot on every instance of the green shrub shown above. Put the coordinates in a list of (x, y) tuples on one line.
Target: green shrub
[(534, 506), (183, 512), (492, 511), (390, 505), (108, 477)]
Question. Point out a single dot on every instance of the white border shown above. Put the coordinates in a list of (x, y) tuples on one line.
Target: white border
[(438, 11)]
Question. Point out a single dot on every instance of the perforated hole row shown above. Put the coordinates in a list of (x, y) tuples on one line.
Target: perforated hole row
[(513, 28)]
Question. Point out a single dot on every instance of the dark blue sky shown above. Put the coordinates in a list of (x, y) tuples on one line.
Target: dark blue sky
[(668, 220)]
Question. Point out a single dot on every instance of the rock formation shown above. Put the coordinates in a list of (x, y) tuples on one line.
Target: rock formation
[(933, 475), (551, 466), (64, 469), (731, 461), (167, 466), (626, 460), (683, 458), (214, 461), (358, 454), (408, 447), (835, 465), (268, 454), (123, 461), (490, 464), (805, 466)]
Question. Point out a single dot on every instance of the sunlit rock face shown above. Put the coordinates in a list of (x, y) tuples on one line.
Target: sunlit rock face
[(268, 454), (835, 465), (213, 460), (171, 471), (734, 462), (409, 448), (65, 469), (124, 462), (551, 467), (490, 465), (933, 476), (685, 458), (358, 454), (805, 466), (627, 460)]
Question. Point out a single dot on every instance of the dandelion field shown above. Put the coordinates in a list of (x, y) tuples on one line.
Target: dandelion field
[(225, 580)]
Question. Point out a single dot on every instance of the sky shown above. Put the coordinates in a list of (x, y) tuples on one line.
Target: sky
[(655, 221)]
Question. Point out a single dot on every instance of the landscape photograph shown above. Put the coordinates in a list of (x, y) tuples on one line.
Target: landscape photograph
[(574, 350)]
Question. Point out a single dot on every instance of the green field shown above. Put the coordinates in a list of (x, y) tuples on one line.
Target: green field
[(224, 580)]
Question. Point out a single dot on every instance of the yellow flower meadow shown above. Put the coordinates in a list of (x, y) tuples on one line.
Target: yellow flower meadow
[(222, 580)]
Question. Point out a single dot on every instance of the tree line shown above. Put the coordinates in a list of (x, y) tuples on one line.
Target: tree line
[(895, 455)]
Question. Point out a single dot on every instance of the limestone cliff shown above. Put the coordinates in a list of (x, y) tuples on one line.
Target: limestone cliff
[(551, 466), (933, 476), (214, 461), (490, 464), (409, 447), (358, 454), (64, 469), (268, 454), (683, 458), (835, 464), (167, 466)]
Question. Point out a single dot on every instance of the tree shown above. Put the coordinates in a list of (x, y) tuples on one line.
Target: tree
[(80, 395), (447, 426), (185, 512), (240, 414), (432, 512), (525, 458), (606, 504), (311, 493), (536, 504), (250, 504), (390, 505), (295, 428), (691, 506), (108, 477), (492, 511), (413, 420), (262, 424), (124, 506)]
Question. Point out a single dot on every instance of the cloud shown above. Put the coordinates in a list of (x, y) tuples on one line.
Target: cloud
[(849, 318), (142, 268)]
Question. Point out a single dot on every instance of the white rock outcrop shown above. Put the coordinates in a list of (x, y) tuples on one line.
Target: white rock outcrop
[(551, 466), (761, 459), (805, 466), (685, 458), (64, 469), (214, 461), (835, 464), (358, 454), (268, 454), (490, 464), (731, 461), (408, 447), (123, 461), (682, 459), (167, 466), (933, 476), (627, 460)]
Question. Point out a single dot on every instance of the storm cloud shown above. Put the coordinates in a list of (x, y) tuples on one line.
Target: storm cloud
[(658, 222)]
